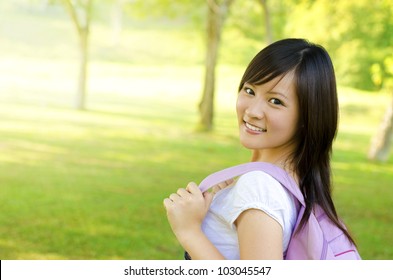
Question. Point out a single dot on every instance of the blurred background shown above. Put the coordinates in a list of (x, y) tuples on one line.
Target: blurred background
[(107, 107)]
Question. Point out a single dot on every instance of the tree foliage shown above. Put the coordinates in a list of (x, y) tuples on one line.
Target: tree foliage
[(358, 34)]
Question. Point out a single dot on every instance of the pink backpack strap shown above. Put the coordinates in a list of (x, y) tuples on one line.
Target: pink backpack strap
[(276, 172), (311, 241)]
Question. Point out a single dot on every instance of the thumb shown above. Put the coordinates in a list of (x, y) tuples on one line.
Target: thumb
[(208, 196)]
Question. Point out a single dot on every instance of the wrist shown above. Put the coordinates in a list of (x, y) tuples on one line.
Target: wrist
[(198, 246), (188, 236)]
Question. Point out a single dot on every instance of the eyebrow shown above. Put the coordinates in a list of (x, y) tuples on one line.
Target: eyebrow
[(278, 93), (268, 92)]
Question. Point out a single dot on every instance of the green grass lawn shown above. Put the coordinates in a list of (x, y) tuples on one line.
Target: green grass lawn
[(90, 184)]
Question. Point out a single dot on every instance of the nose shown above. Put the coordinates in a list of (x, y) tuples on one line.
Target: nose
[(256, 109)]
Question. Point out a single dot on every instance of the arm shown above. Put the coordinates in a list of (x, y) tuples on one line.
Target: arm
[(199, 247), (186, 210), (260, 236)]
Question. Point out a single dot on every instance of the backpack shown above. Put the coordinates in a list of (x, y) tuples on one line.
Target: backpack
[(318, 239)]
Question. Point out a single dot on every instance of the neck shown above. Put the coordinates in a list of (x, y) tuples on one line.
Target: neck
[(282, 161)]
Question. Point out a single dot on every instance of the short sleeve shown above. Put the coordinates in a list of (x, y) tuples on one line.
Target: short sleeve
[(259, 190)]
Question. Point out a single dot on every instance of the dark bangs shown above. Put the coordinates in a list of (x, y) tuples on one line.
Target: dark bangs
[(275, 60)]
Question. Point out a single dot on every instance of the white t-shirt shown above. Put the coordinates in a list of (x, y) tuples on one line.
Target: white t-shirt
[(253, 190)]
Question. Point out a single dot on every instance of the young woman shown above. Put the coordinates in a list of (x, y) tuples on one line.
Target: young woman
[(287, 111)]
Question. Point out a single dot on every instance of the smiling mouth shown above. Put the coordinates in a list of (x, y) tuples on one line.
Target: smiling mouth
[(254, 128)]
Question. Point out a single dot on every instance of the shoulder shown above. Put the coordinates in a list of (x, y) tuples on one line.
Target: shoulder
[(259, 186), (257, 190), (257, 177)]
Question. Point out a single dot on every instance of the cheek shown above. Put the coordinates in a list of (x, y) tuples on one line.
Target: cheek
[(239, 108), (285, 124), (242, 103), (291, 126)]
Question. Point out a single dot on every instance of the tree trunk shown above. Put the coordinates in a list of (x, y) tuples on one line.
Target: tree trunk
[(215, 19), (117, 21), (379, 150), (82, 24), (268, 25), (80, 101)]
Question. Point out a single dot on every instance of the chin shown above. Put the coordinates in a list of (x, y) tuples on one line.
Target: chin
[(249, 145)]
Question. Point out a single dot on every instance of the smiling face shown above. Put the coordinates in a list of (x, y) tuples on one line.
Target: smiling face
[(268, 118)]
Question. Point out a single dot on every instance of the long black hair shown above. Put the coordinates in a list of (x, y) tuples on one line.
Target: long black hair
[(315, 86)]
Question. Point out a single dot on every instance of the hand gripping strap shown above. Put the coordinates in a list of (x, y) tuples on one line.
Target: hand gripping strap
[(276, 172)]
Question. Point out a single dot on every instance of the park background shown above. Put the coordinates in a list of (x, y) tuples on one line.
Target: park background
[(88, 183)]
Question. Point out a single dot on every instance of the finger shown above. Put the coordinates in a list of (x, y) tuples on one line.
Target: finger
[(174, 197), (182, 192), (215, 189), (167, 203), (225, 183), (229, 181), (222, 185), (208, 199), (193, 188)]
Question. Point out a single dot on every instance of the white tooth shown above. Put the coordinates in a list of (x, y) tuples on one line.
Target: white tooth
[(250, 126)]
